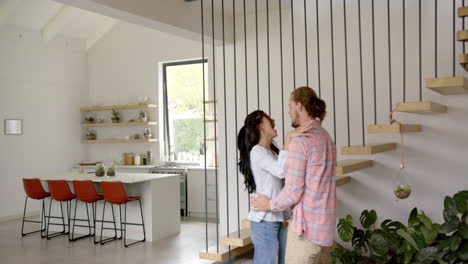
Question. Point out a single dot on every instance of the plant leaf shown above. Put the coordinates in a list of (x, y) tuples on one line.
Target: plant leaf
[(450, 206), (463, 231), (461, 201), (463, 252), (426, 255), (368, 218), (346, 228), (450, 226), (378, 246), (427, 222), (455, 242), (413, 218), (408, 238), (343, 256)]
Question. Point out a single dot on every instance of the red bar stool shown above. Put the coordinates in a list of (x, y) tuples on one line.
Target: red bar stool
[(60, 192), (34, 190), (115, 194), (86, 193)]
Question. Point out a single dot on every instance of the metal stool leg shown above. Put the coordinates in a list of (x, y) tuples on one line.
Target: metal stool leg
[(72, 221), (56, 234), (125, 226), (24, 220)]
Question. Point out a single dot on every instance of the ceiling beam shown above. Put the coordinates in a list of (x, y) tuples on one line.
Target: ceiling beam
[(6, 8), (58, 22), (101, 31)]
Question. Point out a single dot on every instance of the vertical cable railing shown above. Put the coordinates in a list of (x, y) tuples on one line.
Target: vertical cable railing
[(281, 65), (215, 120), (373, 61), (268, 55), (389, 57), (435, 40), (346, 70), (361, 76), (333, 69), (317, 25), (235, 110), (293, 46), (246, 77), (420, 49), (306, 44), (256, 47), (204, 121), (404, 49), (226, 152)]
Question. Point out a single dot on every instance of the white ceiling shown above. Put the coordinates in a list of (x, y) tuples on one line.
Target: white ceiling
[(38, 14)]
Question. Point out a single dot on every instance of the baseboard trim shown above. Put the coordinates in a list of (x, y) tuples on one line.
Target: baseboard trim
[(19, 216)]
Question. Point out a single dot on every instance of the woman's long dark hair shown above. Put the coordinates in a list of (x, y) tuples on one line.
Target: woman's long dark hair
[(248, 137)]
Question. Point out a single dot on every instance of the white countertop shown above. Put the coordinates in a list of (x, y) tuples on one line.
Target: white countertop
[(148, 167), (122, 177)]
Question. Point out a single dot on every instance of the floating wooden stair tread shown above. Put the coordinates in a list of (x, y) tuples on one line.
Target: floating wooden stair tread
[(421, 107), (448, 85), (245, 223), (462, 35), (342, 180), (462, 11), (238, 241), (223, 253), (120, 140), (368, 149), (347, 166), (393, 128), (463, 60), (210, 101)]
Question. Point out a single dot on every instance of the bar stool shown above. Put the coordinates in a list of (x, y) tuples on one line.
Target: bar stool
[(34, 190), (85, 192), (114, 193), (60, 192)]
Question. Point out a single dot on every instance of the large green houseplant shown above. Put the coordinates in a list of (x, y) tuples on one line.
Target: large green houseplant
[(420, 241)]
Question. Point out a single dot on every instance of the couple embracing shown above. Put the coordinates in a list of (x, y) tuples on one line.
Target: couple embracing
[(300, 177)]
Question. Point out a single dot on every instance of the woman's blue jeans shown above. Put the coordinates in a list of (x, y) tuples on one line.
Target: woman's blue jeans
[(269, 239)]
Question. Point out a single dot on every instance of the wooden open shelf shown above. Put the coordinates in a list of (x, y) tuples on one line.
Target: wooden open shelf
[(462, 11), (347, 166), (96, 108), (233, 239), (120, 141), (462, 35), (119, 124), (223, 253), (448, 85), (368, 149), (421, 107), (393, 128)]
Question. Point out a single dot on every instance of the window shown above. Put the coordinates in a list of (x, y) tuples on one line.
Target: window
[(183, 110)]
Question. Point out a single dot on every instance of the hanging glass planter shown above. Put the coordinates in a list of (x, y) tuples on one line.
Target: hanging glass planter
[(401, 183), (402, 186)]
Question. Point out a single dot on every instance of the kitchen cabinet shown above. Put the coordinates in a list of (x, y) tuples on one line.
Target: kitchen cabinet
[(196, 192)]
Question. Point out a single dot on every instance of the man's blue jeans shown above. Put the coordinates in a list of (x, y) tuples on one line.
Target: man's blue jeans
[(269, 239)]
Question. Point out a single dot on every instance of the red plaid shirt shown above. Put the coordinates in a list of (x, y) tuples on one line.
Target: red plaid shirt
[(310, 186)]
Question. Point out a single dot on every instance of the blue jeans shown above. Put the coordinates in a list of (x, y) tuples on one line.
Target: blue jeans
[(269, 239)]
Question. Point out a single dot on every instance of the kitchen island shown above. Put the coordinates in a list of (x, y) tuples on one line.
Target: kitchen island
[(160, 197)]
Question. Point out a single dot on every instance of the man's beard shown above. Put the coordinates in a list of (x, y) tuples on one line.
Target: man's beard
[(294, 122)]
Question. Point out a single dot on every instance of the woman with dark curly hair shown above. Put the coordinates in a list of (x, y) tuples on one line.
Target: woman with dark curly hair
[(263, 166)]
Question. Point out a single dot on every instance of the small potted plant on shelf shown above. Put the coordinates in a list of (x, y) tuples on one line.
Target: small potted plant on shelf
[(111, 169), (147, 133), (100, 170), (90, 118), (91, 134), (143, 117), (115, 116)]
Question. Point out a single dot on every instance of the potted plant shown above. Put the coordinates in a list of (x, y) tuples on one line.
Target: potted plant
[(90, 118), (420, 241), (100, 170), (147, 133), (111, 169), (142, 116), (115, 116), (90, 134)]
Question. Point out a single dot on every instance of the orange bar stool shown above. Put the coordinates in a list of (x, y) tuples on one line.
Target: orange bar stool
[(115, 194), (86, 193), (60, 192), (34, 190)]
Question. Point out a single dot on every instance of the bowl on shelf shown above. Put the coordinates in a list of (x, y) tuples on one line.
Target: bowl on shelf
[(142, 99)]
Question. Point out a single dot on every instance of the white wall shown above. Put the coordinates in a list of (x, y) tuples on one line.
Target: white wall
[(125, 64), (40, 83), (435, 157)]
